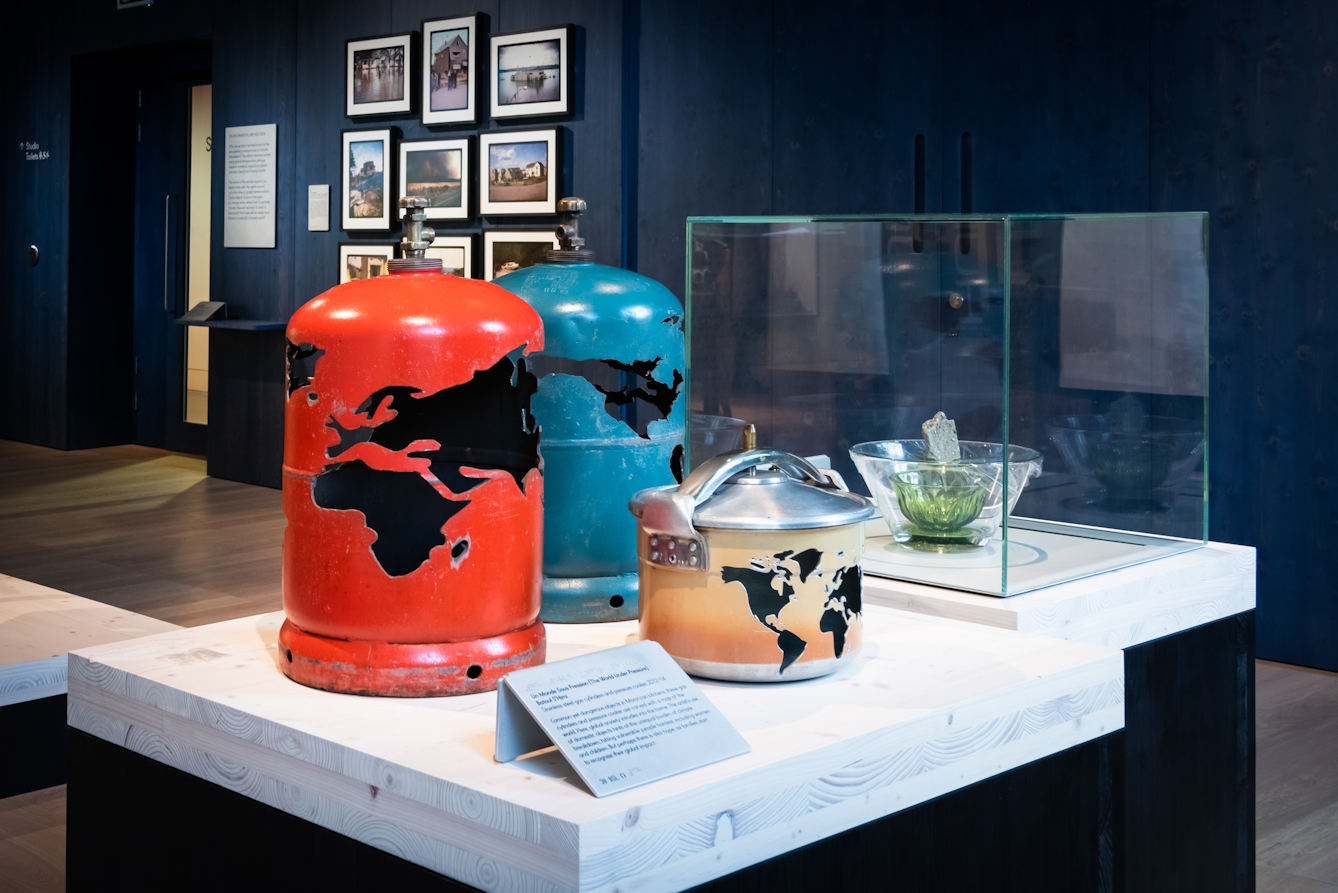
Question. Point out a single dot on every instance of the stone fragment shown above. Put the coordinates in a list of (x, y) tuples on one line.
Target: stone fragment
[(940, 434)]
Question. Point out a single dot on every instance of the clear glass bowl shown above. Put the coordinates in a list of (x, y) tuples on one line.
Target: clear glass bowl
[(711, 435), (1127, 469), (939, 504)]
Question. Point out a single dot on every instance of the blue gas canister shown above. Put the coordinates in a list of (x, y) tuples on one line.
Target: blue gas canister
[(610, 406)]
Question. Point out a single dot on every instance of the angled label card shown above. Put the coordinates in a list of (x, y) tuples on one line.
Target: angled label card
[(623, 717)]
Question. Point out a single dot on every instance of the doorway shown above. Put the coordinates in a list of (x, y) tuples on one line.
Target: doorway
[(141, 144)]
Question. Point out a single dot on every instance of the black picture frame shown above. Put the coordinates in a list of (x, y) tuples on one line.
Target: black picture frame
[(500, 106), (404, 41), (492, 205), (465, 145), (476, 69), (463, 241), (386, 220), (384, 250), (539, 240)]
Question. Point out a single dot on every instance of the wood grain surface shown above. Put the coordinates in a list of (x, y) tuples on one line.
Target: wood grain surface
[(930, 706), (139, 529), (1116, 609), (1297, 794), (1297, 806), (38, 626), (32, 842)]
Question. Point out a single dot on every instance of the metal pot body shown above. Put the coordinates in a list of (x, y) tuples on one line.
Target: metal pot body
[(412, 487), (773, 606), (750, 568), (609, 405)]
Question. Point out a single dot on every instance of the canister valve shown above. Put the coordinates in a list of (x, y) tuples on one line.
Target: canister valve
[(418, 237), (572, 250)]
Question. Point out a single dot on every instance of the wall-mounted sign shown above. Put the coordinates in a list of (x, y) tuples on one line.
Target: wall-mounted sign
[(249, 186), (33, 151), (126, 4), (318, 208)]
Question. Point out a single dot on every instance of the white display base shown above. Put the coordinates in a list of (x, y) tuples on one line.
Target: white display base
[(39, 626), (1037, 558), (929, 706), (1117, 609)]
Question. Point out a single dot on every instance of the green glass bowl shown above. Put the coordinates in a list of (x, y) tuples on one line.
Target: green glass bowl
[(1132, 466), (940, 502)]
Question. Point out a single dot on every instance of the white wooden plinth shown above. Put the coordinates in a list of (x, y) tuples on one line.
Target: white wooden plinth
[(930, 706), (1117, 609), (39, 626)]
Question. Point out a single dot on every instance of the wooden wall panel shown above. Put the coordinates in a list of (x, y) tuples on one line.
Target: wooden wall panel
[(1055, 97), (32, 299), (593, 169), (1189, 760), (845, 133), (593, 166), (1280, 181), (255, 76), (101, 284), (1161, 104), (319, 85), (36, 377), (706, 123), (246, 406), (1243, 125)]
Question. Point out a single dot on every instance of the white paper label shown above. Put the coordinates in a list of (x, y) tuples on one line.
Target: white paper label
[(249, 186), (622, 717), (318, 208)]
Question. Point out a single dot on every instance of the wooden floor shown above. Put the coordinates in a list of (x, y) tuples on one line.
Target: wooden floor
[(1296, 802), (148, 531), (140, 529), (32, 842)]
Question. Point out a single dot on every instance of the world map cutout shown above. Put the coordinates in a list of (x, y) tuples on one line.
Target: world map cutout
[(483, 424), (770, 585)]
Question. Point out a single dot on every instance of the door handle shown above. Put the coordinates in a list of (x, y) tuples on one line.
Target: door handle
[(966, 162), (917, 228), (167, 255)]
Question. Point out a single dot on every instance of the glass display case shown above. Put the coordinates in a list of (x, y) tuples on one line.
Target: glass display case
[(1071, 351)]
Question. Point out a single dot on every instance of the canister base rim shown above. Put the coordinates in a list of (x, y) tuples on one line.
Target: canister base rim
[(425, 670), (589, 599)]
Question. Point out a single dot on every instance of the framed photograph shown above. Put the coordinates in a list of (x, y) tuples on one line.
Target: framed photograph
[(365, 195), (437, 170), (378, 75), (532, 73), (519, 171), (449, 83), (505, 252), (456, 253), (360, 260)]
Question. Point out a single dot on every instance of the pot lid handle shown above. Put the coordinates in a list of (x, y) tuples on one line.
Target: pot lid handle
[(667, 514), (707, 477)]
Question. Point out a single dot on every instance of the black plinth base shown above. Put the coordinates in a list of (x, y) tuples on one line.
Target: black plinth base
[(1165, 805), (135, 823), (32, 745), (1189, 760)]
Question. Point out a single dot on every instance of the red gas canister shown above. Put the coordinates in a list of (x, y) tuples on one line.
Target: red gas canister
[(412, 562)]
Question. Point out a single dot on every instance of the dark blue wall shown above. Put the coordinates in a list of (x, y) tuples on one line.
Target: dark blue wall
[(1229, 106), (777, 106), (1243, 125)]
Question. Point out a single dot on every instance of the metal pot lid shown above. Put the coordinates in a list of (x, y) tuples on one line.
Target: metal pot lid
[(757, 490)]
